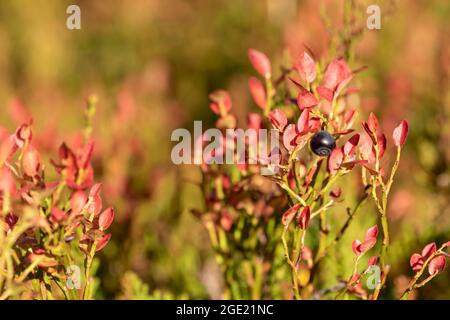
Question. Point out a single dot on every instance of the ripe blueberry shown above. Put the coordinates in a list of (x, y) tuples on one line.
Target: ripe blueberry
[(322, 143)]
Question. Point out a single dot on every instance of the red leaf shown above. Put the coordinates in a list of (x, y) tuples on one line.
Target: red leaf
[(436, 265), (10, 220), (350, 145), (306, 99), (349, 118), (314, 124), (368, 244), (68, 157), (85, 182), (289, 137), (102, 242), (7, 182), (303, 122), (278, 119), (78, 201), (23, 135), (366, 149), (369, 241), (258, 92), (86, 154), (335, 160), (31, 161), (336, 72), (303, 219), (57, 214), (310, 176), (428, 250), (289, 214), (336, 192), (226, 221), (372, 233), (214, 108), (416, 262), (306, 68), (95, 190), (342, 85), (105, 219), (372, 123), (7, 149), (400, 133), (351, 164), (254, 121), (301, 140), (260, 62), (372, 261), (382, 141), (356, 247), (95, 205), (338, 134), (325, 93)]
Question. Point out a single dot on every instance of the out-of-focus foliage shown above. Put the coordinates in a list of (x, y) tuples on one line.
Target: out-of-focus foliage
[(152, 64)]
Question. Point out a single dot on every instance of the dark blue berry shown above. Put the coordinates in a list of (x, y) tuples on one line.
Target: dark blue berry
[(322, 143)]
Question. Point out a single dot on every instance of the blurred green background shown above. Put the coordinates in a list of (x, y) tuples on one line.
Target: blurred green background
[(152, 64)]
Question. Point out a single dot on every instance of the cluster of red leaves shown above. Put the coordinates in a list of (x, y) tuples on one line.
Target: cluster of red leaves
[(49, 214), (336, 78), (437, 262), (320, 98), (303, 217), (369, 242)]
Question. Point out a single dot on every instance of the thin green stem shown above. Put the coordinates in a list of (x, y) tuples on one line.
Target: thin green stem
[(293, 268), (90, 258), (269, 89)]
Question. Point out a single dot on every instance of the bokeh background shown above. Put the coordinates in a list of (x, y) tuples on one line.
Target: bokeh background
[(152, 64)]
